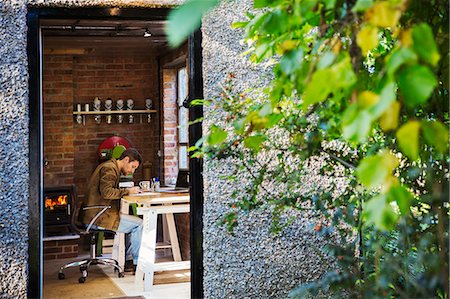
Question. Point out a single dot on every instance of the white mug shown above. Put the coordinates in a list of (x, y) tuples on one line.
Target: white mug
[(145, 185)]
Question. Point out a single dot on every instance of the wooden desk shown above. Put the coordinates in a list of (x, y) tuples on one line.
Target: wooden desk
[(149, 206)]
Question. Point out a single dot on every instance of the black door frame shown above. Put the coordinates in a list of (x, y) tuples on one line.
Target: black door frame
[(34, 51)]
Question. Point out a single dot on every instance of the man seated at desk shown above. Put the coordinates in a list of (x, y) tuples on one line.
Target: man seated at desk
[(103, 189)]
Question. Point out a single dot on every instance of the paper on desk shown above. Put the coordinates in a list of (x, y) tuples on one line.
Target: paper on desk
[(145, 194)]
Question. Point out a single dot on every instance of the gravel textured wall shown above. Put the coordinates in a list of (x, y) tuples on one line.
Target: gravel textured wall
[(14, 131), (254, 263), (13, 150)]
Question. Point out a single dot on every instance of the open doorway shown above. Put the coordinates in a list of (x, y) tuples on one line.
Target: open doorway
[(112, 55)]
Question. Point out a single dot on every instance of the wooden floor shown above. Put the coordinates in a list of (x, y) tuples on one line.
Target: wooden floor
[(97, 285), (103, 282)]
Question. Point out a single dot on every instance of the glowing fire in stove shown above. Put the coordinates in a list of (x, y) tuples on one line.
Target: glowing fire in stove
[(50, 203)]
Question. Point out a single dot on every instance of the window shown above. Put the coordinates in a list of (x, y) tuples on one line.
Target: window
[(183, 119)]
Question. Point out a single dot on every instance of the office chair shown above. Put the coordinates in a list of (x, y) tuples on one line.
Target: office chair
[(84, 230)]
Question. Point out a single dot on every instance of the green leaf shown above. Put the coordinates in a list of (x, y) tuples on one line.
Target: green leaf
[(185, 19), (273, 119), (387, 97), (326, 59), (408, 139), (277, 22), (374, 171), (239, 125), (192, 148), (316, 91), (342, 74), (200, 102), (265, 110), (216, 135), (362, 5), (357, 128), (339, 75), (239, 25), (329, 4), (379, 212), (199, 142), (416, 83), (196, 121), (261, 51), (398, 57), (401, 196), (292, 61), (424, 43), (264, 3), (254, 142), (436, 134)]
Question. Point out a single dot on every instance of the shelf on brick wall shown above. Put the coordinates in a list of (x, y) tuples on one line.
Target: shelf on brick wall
[(113, 112)]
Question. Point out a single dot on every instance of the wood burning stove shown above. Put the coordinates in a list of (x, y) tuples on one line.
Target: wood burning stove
[(58, 205)]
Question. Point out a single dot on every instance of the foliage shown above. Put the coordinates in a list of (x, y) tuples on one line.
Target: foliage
[(364, 85)]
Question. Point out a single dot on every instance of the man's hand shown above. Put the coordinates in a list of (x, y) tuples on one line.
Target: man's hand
[(134, 190)]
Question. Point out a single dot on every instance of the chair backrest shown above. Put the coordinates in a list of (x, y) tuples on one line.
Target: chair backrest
[(75, 223)]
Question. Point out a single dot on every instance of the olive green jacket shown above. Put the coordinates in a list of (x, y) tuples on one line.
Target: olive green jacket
[(103, 189)]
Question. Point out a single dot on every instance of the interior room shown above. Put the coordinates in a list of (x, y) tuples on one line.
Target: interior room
[(109, 85)]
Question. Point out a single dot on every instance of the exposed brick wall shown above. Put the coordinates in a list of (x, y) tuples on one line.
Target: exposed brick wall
[(170, 63), (170, 139), (117, 77), (60, 249), (71, 148), (58, 121)]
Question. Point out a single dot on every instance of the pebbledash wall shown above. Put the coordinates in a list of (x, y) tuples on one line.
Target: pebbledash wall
[(252, 264)]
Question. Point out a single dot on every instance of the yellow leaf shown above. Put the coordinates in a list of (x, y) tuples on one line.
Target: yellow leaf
[(337, 45), (288, 45), (367, 39), (389, 119), (389, 159), (384, 14), (396, 32), (367, 99), (408, 139), (389, 181), (406, 38)]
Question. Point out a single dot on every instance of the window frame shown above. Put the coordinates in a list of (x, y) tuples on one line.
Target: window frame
[(179, 107)]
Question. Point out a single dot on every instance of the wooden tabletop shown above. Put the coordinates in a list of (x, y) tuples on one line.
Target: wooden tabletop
[(157, 198)]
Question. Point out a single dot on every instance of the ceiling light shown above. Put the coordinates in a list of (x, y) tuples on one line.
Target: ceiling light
[(147, 33)]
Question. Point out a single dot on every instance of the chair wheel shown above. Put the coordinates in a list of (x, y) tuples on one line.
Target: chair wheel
[(121, 274), (61, 276), (82, 279)]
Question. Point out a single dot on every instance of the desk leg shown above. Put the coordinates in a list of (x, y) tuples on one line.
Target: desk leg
[(119, 241), (165, 233), (146, 262), (118, 253), (173, 238)]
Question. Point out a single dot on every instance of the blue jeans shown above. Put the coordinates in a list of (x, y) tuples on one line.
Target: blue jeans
[(131, 225)]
